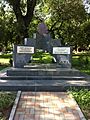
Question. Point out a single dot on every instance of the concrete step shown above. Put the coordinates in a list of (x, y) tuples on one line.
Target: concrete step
[(42, 85), (42, 78), (43, 72), (41, 66)]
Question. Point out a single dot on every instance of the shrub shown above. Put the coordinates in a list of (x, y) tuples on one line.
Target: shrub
[(42, 57), (86, 60), (83, 99), (6, 99), (11, 61), (81, 60)]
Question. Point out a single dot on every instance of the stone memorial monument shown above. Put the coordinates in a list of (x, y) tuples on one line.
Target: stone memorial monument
[(22, 54), (43, 37)]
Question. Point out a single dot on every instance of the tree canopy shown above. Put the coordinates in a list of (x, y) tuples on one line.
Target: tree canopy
[(23, 10), (66, 19)]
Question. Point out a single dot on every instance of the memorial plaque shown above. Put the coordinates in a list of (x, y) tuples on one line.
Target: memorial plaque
[(61, 50), (25, 49)]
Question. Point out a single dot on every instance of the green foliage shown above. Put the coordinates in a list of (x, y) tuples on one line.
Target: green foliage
[(86, 31), (37, 54), (6, 56), (83, 99), (7, 25), (11, 61), (86, 60), (5, 60), (2, 66), (42, 57), (46, 59), (82, 62), (6, 99), (67, 20)]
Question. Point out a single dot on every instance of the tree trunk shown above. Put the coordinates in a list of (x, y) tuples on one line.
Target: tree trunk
[(23, 21)]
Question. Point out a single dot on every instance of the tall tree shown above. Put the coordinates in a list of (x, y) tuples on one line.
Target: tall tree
[(66, 18), (23, 15)]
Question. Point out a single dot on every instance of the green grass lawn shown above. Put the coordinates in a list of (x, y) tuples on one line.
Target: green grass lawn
[(82, 96), (83, 99), (4, 63), (3, 66), (82, 63), (4, 60), (6, 102)]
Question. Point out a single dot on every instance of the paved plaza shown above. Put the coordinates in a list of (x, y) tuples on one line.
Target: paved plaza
[(47, 106)]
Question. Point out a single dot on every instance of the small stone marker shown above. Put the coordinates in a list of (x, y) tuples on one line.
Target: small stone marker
[(22, 55)]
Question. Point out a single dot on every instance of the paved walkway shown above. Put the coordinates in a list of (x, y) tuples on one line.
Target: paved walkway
[(47, 106)]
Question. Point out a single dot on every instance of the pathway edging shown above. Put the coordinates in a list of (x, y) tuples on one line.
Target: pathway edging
[(13, 111)]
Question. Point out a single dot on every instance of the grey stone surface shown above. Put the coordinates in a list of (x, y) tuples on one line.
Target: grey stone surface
[(30, 42), (46, 43), (19, 60), (63, 56), (41, 42), (43, 72), (42, 78), (55, 43), (41, 82), (42, 85)]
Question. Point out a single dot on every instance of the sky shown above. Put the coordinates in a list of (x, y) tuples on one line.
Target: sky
[(85, 2), (87, 5)]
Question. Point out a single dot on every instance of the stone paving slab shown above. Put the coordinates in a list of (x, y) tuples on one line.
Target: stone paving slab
[(48, 106)]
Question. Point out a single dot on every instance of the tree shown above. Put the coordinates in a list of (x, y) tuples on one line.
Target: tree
[(66, 19), (23, 15), (8, 27), (86, 32)]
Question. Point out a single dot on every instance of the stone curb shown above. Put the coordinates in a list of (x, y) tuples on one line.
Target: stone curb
[(13, 111)]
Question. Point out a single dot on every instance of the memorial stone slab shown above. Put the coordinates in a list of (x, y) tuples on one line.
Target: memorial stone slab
[(22, 55), (63, 56)]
